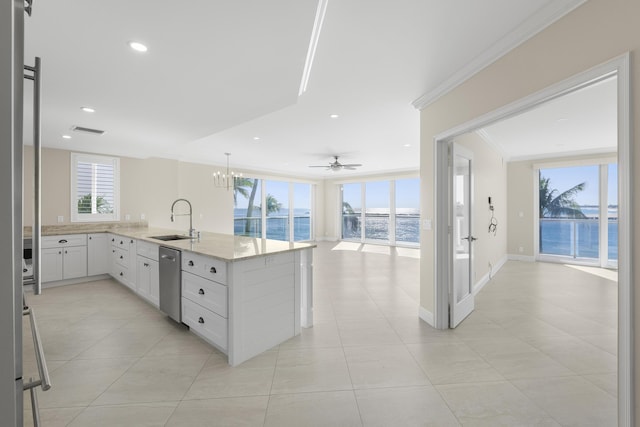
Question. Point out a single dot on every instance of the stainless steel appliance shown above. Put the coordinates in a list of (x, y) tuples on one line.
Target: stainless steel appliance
[(170, 282)]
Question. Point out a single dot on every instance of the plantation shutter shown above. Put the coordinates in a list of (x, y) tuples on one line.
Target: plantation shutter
[(94, 188)]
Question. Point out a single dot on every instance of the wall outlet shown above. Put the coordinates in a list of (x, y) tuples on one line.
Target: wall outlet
[(521, 214), (60, 218), (520, 249), (127, 217), (426, 224), (142, 217)]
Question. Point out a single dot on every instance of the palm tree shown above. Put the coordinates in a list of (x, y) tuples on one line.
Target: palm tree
[(252, 196), (563, 205), (273, 205), (85, 205), (241, 186), (351, 221)]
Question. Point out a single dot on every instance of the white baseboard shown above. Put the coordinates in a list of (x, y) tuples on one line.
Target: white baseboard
[(326, 239), (45, 285), (524, 258), (487, 277), (426, 316)]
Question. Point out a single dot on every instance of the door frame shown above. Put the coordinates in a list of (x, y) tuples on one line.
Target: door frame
[(619, 66)]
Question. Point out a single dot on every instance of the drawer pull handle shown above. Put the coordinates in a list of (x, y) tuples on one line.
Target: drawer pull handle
[(213, 270), (63, 241), (201, 320), (190, 263), (121, 273), (113, 239), (132, 242), (146, 264), (121, 257), (201, 291)]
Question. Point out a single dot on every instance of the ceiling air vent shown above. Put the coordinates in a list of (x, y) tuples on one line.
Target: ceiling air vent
[(87, 130)]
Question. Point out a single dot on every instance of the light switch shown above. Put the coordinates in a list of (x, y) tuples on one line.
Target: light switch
[(426, 224), (127, 217), (521, 214), (60, 218), (142, 216)]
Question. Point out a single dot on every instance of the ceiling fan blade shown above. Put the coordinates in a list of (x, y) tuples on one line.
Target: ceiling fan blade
[(349, 168), (352, 165), (315, 166)]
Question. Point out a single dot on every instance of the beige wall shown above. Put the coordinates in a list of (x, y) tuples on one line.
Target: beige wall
[(594, 33), (147, 187), (520, 194), (489, 180)]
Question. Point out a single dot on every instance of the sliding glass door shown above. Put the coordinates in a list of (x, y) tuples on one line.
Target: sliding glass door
[(578, 213), (389, 211)]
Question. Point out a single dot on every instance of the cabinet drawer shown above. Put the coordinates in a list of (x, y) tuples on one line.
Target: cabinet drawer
[(122, 257), (64, 240), (148, 250), (123, 242), (204, 266), (208, 294), (122, 274), (205, 323)]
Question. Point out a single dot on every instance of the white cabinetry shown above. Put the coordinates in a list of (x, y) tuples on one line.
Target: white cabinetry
[(98, 249), (64, 257), (123, 260), (148, 280), (204, 298)]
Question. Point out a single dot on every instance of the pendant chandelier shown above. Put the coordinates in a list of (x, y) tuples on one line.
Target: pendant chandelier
[(225, 179)]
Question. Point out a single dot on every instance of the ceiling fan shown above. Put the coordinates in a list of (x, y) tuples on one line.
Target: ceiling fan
[(336, 166)]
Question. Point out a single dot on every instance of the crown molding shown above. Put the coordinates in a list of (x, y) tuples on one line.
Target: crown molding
[(539, 21)]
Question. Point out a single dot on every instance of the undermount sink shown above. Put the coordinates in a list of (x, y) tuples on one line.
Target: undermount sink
[(170, 237)]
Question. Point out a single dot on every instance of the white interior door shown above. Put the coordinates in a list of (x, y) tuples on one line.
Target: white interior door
[(461, 301)]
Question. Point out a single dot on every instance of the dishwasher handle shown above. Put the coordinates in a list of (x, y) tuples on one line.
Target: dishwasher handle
[(168, 257)]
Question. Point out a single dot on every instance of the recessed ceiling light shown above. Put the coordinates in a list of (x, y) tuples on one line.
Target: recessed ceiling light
[(407, 145), (562, 120), (256, 138), (88, 109), (137, 46), (334, 116), (66, 136)]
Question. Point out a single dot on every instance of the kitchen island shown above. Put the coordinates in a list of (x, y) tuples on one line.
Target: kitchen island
[(242, 295)]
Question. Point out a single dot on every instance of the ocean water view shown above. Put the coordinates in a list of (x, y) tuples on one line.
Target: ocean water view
[(579, 238), (376, 225)]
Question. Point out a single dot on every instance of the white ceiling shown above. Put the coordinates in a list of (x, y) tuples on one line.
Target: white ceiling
[(581, 122), (219, 73)]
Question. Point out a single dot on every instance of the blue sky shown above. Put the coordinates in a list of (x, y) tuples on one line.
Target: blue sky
[(563, 179), (377, 194)]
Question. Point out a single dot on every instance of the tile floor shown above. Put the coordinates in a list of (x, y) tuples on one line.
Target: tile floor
[(540, 349)]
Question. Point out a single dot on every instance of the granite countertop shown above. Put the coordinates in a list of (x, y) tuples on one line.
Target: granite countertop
[(226, 247)]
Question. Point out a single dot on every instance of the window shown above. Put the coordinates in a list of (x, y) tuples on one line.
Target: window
[(247, 215), (301, 212), (95, 188), (376, 213), (277, 211), (389, 210), (287, 213), (408, 210), (578, 213)]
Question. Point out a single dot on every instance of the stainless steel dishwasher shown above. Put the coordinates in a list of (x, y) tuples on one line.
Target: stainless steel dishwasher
[(170, 282)]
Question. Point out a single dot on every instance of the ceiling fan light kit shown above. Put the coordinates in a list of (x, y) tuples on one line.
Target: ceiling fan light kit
[(336, 166)]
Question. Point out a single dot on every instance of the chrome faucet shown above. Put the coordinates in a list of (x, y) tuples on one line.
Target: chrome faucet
[(192, 230)]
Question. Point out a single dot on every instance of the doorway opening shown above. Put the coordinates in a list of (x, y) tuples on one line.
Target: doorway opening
[(444, 276)]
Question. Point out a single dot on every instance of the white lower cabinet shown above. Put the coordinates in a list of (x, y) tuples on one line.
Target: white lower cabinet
[(148, 280), (205, 308), (98, 249), (63, 257), (205, 323), (123, 261)]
